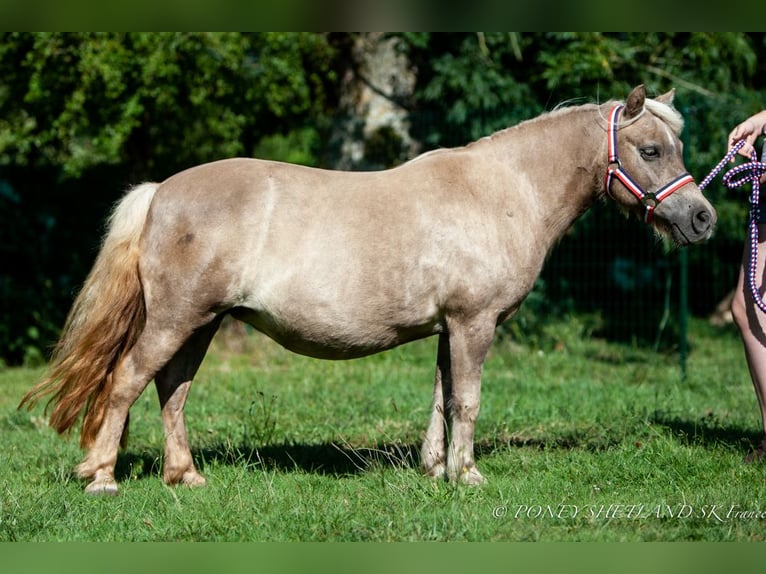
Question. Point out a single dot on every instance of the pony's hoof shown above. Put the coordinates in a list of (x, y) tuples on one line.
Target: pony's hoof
[(471, 477), (435, 471), (193, 479), (102, 487)]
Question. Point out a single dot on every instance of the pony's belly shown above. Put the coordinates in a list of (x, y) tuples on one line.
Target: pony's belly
[(325, 340)]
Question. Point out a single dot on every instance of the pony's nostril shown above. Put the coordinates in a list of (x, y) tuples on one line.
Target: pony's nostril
[(701, 221)]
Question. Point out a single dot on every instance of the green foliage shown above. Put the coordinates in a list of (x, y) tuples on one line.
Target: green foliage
[(479, 82), (300, 146), (468, 86), (28, 296), (157, 102), (612, 63)]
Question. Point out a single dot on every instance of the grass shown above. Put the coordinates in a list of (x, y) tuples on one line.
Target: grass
[(583, 440)]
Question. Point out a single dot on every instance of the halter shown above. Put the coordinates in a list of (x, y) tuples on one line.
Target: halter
[(614, 170), (755, 169)]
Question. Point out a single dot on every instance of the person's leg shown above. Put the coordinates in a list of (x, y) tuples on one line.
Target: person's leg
[(751, 322)]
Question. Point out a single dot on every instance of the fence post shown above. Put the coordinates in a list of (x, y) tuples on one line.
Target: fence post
[(683, 310), (683, 281)]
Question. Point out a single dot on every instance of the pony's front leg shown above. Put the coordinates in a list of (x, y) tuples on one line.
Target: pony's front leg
[(433, 455), (469, 342)]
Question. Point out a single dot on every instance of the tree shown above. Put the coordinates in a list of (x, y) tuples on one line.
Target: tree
[(83, 116)]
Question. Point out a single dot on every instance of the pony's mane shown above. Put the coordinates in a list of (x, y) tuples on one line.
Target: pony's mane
[(666, 113), (563, 108)]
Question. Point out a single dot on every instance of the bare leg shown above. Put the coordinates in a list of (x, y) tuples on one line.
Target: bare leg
[(469, 342), (173, 382), (433, 455), (751, 322)]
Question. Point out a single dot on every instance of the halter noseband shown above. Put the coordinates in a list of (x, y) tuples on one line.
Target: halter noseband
[(614, 170)]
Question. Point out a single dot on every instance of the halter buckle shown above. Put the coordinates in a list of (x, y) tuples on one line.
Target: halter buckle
[(650, 200)]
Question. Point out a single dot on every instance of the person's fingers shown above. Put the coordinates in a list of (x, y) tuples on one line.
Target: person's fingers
[(737, 134), (749, 147), (744, 131)]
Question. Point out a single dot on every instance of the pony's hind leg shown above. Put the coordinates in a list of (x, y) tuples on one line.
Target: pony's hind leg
[(433, 455), (154, 348), (128, 381), (173, 382)]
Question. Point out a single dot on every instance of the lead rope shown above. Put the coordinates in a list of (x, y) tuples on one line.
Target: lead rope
[(753, 170)]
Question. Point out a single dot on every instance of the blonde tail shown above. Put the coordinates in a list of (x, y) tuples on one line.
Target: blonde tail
[(106, 318)]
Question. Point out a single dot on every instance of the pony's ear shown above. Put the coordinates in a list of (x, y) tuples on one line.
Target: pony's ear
[(634, 105), (667, 97)]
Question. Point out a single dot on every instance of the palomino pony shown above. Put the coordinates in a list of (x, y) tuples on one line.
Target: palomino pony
[(337, 265)]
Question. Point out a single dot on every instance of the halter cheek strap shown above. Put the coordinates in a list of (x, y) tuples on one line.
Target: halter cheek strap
[(614, 171)]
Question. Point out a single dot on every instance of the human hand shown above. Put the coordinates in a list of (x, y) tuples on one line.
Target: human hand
[(749, 130)]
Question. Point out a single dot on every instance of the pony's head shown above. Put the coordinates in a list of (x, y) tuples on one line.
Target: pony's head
[(646, 173)]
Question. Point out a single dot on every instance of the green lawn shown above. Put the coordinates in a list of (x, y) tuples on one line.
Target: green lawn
[(581, 441)]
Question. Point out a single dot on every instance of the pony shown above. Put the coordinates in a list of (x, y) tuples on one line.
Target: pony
[(338, 265)]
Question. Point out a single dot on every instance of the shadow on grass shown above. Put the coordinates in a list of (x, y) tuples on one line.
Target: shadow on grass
[(341, 460), (708, 432), (325, 458), (328, 458)]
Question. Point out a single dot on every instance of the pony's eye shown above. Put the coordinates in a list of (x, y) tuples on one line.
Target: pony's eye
[(650, 152)]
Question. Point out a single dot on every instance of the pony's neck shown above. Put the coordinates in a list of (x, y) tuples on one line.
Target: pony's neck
[(564, 156)]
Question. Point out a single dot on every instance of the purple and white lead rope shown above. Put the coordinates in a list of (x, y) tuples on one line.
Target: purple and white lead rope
[(753, 170)]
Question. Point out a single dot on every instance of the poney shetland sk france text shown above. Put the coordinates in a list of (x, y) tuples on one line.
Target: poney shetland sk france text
[(681, 511)]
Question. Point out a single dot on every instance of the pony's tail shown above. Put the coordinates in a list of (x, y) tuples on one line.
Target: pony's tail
[(106, 318)]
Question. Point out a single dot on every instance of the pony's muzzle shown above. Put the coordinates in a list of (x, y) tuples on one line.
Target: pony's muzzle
[(703, 222), (699, 229)]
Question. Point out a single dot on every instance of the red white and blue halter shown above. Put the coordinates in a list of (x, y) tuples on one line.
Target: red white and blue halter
[(614, 169)]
